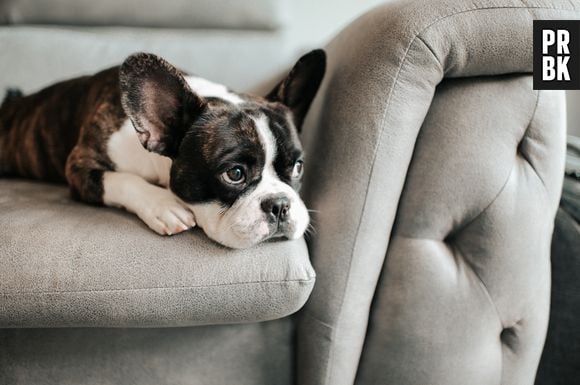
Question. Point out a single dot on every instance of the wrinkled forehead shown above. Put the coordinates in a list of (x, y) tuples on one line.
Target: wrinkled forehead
[(279, 120), (260, 130)]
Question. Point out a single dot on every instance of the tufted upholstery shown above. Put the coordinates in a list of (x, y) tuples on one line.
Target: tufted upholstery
[(460, 277), (434, 171), (464, 289)]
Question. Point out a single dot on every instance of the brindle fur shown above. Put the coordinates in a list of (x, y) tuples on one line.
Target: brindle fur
[(59, 133)]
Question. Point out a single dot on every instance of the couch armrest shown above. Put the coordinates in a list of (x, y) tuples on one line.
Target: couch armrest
[(382, 74), (67, 264)]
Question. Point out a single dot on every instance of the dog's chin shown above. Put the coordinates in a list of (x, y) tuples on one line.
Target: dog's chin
[(241, 229), (239, 237), (243, 238)]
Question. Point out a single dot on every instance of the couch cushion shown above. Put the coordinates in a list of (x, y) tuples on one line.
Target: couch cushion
[(254, 14), (68, 264)]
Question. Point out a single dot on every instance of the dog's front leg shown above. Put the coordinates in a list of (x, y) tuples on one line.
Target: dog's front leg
[(158, 207)]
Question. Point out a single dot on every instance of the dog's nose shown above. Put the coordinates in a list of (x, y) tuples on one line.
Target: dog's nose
[(276, 208)]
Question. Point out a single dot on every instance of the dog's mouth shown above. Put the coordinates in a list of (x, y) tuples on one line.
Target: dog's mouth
[(276, 230), (246, 225), (262, 231), (280, 230)]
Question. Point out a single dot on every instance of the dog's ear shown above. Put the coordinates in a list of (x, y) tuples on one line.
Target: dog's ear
[(158, 101), (299, 88)]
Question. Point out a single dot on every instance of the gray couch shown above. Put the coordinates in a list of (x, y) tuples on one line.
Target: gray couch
[(434, 172)]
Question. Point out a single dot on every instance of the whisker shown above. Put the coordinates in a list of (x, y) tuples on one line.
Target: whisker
[(310, 229), (310, 232)]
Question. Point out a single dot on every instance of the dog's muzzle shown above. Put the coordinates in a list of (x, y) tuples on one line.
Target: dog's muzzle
[(277, 209)]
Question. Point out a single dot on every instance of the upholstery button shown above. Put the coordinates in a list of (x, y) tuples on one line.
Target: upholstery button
[(508, 337)]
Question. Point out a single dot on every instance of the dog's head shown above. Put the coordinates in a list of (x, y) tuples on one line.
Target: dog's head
[(237, 159)]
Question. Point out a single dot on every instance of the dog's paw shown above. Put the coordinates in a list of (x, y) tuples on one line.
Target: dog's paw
[(167, 215)]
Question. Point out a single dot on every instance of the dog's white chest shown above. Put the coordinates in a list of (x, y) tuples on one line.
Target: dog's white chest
[(128, 155)]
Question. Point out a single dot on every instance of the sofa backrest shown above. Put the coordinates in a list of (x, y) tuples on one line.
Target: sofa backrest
[(240, 44), (251, 14)]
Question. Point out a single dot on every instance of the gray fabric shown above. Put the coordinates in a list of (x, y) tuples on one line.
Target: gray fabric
[(250, 354), (40, 56), (464, 294), (360, 135), (254, 14), (70, 264), (383, 70)]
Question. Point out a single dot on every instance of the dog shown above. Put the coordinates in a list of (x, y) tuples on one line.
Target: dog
[(176, 150)]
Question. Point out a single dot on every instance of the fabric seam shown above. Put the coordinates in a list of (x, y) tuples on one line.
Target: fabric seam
[(525, 136), (290, 281)]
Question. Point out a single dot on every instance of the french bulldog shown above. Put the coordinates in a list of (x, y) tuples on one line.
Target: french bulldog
[(176, 150)]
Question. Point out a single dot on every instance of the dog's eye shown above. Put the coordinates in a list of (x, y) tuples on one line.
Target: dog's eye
[(297, 170), (235, 175)]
